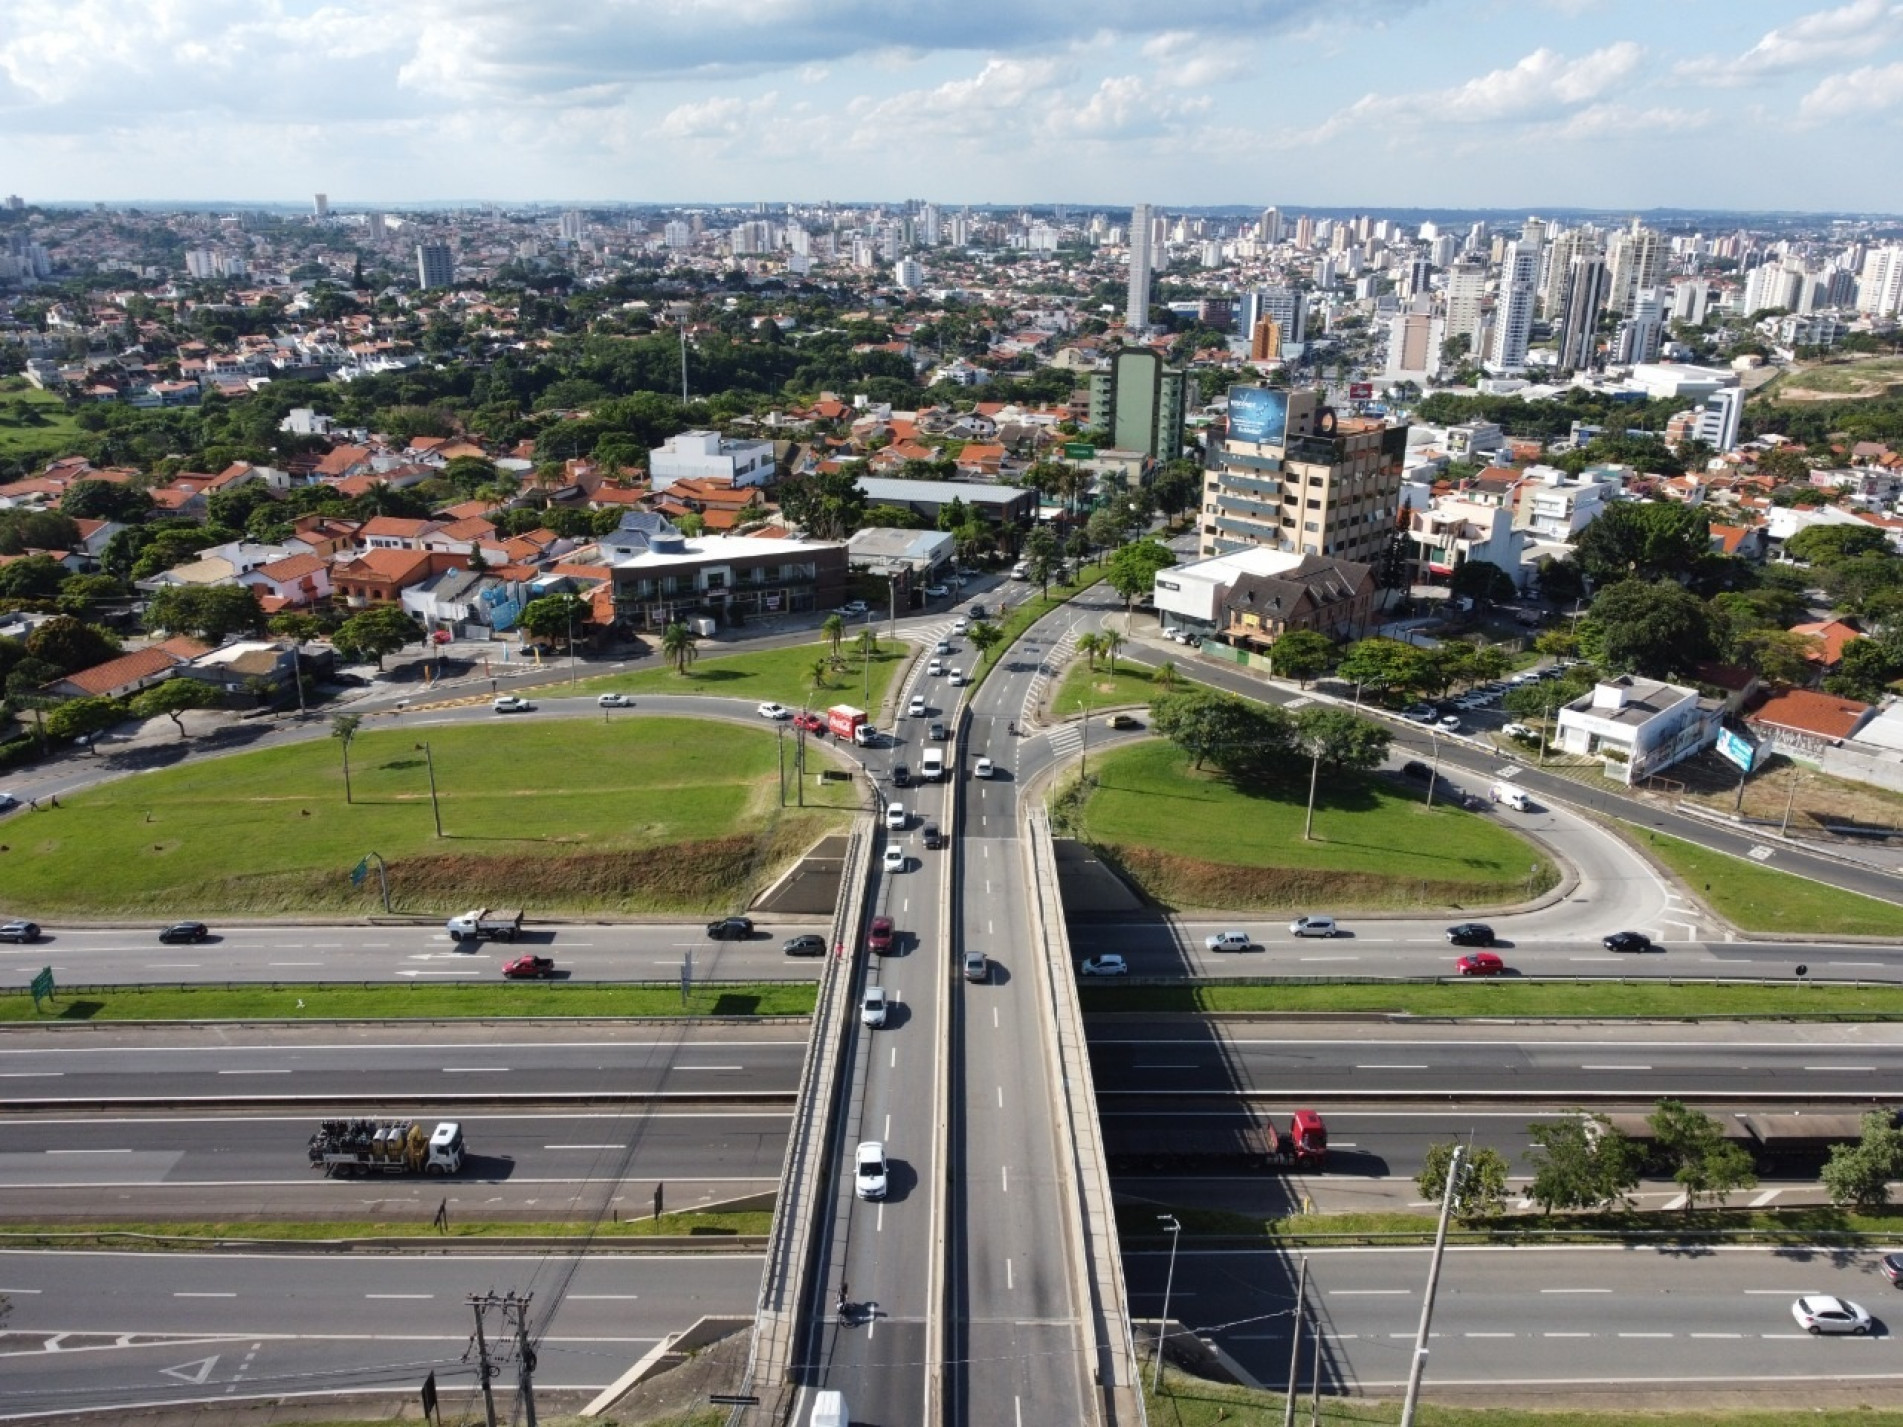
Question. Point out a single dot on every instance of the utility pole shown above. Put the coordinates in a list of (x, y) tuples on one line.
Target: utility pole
[(1169, 1222), (1784, 827), (524, 1354), (1419, 1365), (1308, 825), (297, 676), (435, 807), (571, 639), (1433, 775), (485, 1371), (1295, 1346)]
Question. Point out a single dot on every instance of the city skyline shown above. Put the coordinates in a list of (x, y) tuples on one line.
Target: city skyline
[(1438, 104)]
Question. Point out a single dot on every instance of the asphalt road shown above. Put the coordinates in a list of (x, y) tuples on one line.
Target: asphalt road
[(429, 1067), (552, 1163), (93, 1330), (1294, 1063), (1577, 1318), (301, 953), (1167, 947)]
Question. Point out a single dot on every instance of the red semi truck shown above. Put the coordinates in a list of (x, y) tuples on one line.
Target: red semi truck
[(1137, 1141)]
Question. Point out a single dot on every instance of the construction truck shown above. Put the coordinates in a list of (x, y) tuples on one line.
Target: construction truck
[(481, 923), (343, 1148)]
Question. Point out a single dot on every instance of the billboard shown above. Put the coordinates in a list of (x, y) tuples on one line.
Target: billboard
[(1736, 750), (1258, 413), (1360, 391)]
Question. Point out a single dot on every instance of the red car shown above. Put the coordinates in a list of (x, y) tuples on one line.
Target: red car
[(1480, 963), (879, 939), (529, 968), (811, 722)]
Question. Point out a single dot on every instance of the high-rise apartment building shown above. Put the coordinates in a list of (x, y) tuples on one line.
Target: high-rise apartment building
[(1557, 268), (1637, 256), (1771, 285), (928, 225), (1285, 305), (1466, 287), (1269, 229), (1414, 343), (1290, 477), (1638, 336), (435, 265), (1513, 314), (320, 205), (1305, 231), (1719, 418), (1880, 284), (1136, 307), (1586, 282), (1689, 296), (1137, 405), (1417, 278), (1265, 341), (572, 224)]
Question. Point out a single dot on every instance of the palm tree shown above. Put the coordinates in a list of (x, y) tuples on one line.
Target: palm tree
[(677, 643), (1112, 642), (1089, 645), (834, 629), (818, 671), (1166, 677)]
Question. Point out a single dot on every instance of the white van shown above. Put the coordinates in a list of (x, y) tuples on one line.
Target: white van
[(931, 766), (829, 1410), (1513, 797)]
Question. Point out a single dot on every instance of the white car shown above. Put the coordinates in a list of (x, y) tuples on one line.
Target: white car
[(895, 817), (854, 609), (615, 701), (7, 800), (894, 860), (1450, 724), (916, 709), (869, 1169), (1821, 1313), (1228, 941), (511, 703), (934, 669), (960, 625), (1109, 964), (1314, 926), (774, 711), (958, 678), (984, 769), (1518, 730), (936, 592), (944, 647), (872, 1007)]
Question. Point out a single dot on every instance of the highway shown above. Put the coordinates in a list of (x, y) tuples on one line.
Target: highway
[(96, 1330), (1296, 1062), (1374, 948), (426, 1066), (552, 1163), (301, 952), (1614, 1319)]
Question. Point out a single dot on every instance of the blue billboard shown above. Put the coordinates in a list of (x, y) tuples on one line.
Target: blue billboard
[(1258, 413), (1740, 752)]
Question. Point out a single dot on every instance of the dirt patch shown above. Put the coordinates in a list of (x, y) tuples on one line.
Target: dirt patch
[(1177, 882)]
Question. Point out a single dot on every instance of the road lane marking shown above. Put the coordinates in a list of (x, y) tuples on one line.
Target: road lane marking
[(294, 963), (1009, 1282), (888, 1127), (172, 965), (1331, 958), (603, 1297), (254, 1072), (404, 1296), (583, 1147), (1489, 1335), (1004, 1172), (1000, 1097), (31, 1074), (893, 1061), (878, 1226), (1717, 1335), (86, 1152), (204, 1295), (1575, 1290), (1615, 1067), (1368, 1292), (475, 1070), (1192, 1067), (1645, 1335), (1828, 1068), (1370, 1067), (1565, 1335), (994, 1018), (710, 1067)]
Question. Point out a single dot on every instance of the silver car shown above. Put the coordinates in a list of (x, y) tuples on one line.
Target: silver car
[(1821, 1313)]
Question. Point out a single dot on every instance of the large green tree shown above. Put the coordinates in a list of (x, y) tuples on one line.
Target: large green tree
[(375, 633), (1859, 1176), (1580, 1162), (80, 718), (554, 618), (71, 643), (212, 613), (1132, 571), (174, 697), (1704, 1163), (1645, 540), (1657, 629), (1301, 655), (1482, 1191), (1346, 744)]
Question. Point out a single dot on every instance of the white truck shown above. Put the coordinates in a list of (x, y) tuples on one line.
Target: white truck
[(931, 768), (344, 1148), (486, 924)]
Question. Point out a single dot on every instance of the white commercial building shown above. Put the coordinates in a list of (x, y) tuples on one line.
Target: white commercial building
[(1555, 506), (1191, 595), (1453, 532), (1638, 726), (707, 455), (1666, 379), (1718, 419)]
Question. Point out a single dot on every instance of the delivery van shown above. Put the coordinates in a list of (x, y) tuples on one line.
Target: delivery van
[(1511, 796)]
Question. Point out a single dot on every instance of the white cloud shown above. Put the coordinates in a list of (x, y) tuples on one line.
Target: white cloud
[(1822, 37), (724, 118), (1192, 61), (1862, 91), (1536, 88), (1621, 121)]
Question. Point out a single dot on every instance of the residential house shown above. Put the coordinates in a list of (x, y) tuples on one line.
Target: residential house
[(1803, 723), (295, 582), (125, 675), (1830, 637), (379, 577), (1453, 532), (1328, 596), (1638, 726)]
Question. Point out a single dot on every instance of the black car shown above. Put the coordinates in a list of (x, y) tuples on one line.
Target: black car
[(20, 931), (901, 776), (808, 945), (938, 733), (731, 929), (185, 931), (1627, 941), (1414, 768), (934, 839), (1470, 934)]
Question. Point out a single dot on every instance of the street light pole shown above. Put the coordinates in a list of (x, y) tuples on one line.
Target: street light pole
[(571, 640), (435, 807), (1168, 1221), (1295, 1345), (1308, 825), (1433, 775), (1419, 1365)]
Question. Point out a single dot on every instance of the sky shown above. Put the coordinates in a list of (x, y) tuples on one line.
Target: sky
[(1613, 104)]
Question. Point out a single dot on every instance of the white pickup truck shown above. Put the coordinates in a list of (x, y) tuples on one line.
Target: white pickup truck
[(490, 923)]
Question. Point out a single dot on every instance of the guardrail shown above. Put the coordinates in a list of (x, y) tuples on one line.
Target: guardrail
[(784, 1281), (1794, 985), (1096, 1262)]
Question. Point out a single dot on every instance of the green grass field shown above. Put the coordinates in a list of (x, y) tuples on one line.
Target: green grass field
[(1761, 899), (33, 422), (1646, 998), (1860, 378), (410, 1000), (783, 676), (1087, 688), (1194, 840), (642, 814)]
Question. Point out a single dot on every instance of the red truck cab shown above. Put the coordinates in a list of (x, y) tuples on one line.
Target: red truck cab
[(1308, 1139)]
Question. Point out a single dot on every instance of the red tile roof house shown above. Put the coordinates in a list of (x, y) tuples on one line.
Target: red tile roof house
[(1831, 636), (1805, 722), (295, 582), (129, 673), (392, 532), (379, 577)]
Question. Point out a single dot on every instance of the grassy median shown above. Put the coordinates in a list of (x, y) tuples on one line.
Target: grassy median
[(1648, 998), (1086, 687), (1197, 839), (405, 1000), (158, 1234), (1754, 898), (781, 676), (623, 815), (1022, 617)]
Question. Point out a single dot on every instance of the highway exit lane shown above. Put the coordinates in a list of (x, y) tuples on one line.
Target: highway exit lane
[(425, 1066), (93, 1330), (1582, 1317)]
